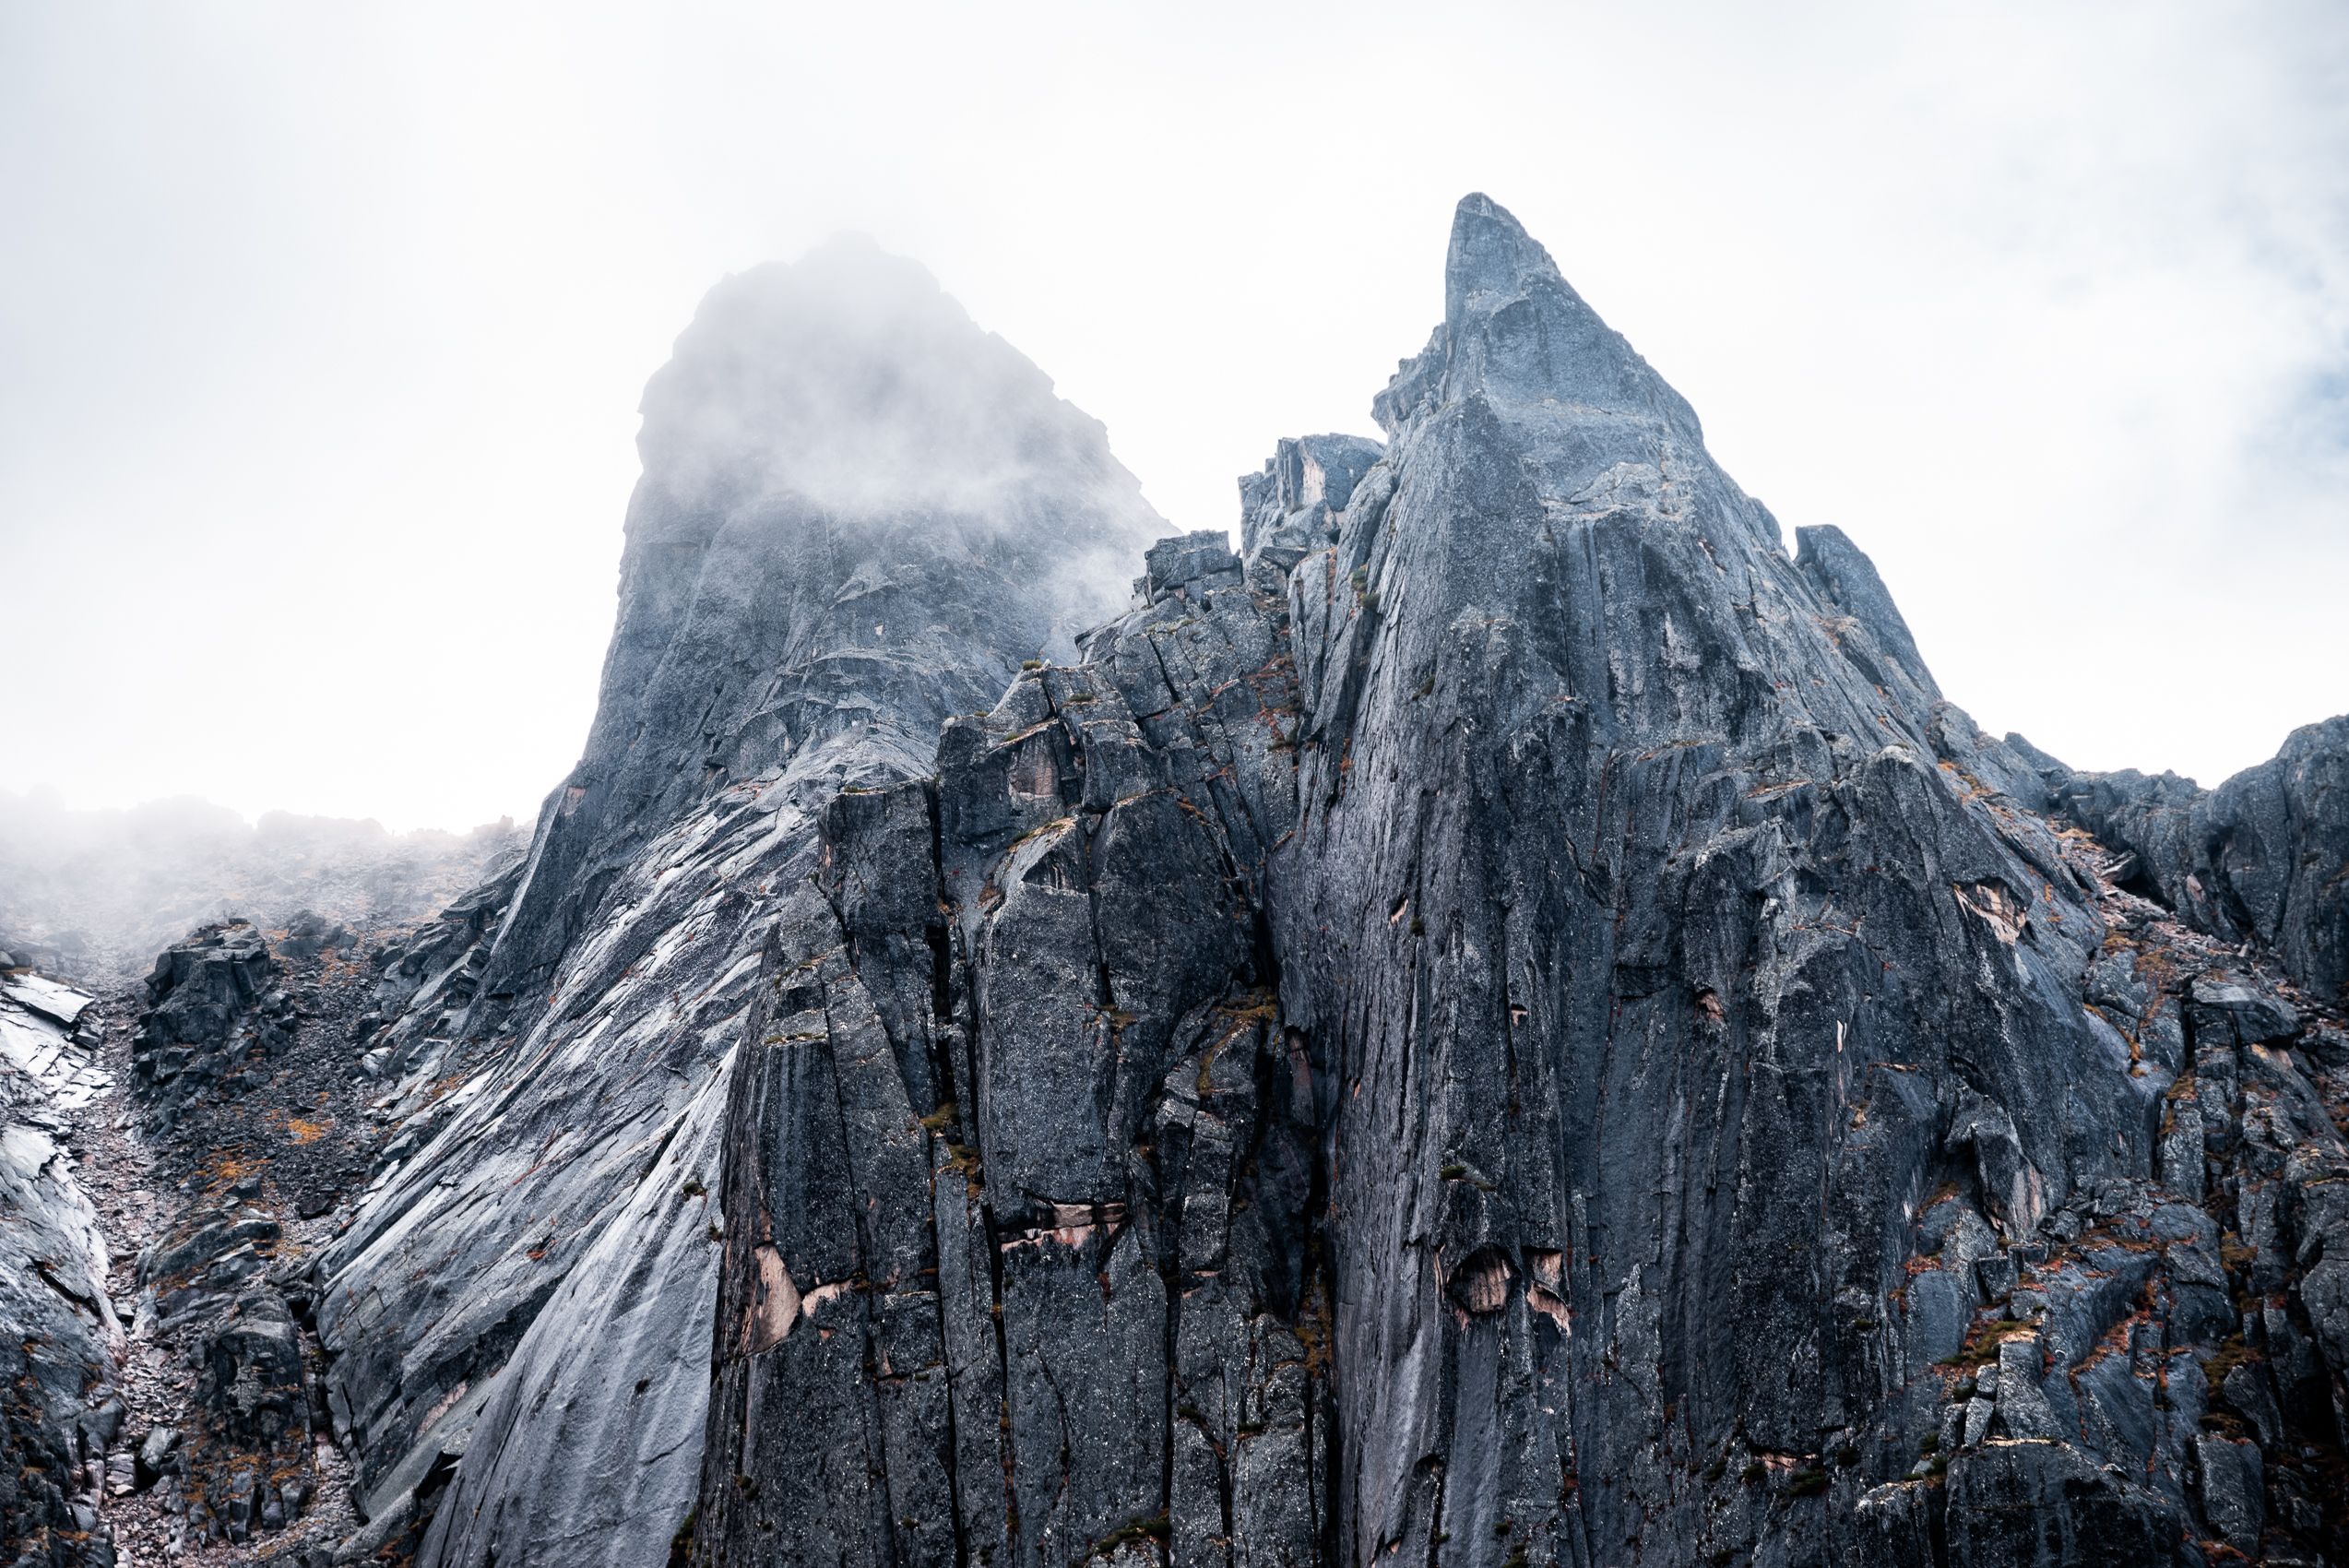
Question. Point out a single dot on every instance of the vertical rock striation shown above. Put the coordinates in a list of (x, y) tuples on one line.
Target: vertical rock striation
[(1021, 1167), (1668, 972)]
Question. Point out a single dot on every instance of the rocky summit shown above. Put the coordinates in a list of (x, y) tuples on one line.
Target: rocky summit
[(1505, 1021)]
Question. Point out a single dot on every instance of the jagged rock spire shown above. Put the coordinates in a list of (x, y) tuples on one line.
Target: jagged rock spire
[(1515, 331)]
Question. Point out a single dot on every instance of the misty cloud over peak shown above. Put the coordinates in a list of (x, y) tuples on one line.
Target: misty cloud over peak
[(849, 383), (859, 514)]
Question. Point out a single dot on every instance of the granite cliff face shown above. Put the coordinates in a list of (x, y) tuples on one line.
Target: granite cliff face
[(1507, 1022), (1510, 1023)]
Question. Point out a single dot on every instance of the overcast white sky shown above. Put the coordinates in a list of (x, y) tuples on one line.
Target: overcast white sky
[(322, 327)]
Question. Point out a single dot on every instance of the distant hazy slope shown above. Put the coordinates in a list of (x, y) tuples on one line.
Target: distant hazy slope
[(100, 892)]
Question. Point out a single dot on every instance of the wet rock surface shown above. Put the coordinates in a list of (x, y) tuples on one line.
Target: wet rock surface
[(60, 1409)]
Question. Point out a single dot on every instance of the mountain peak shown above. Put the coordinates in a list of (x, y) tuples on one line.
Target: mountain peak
[(1490, 253), (1515, 331)]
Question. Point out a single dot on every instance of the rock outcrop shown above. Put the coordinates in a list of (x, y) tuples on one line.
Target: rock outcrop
[(425, 983), (211, 1290), (1020, 1169), (1666, 972), (214, 1017), (2264, 856)]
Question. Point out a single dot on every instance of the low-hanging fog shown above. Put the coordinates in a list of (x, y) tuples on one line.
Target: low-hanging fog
[(848, 389), (325, 328), (96, 894)]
